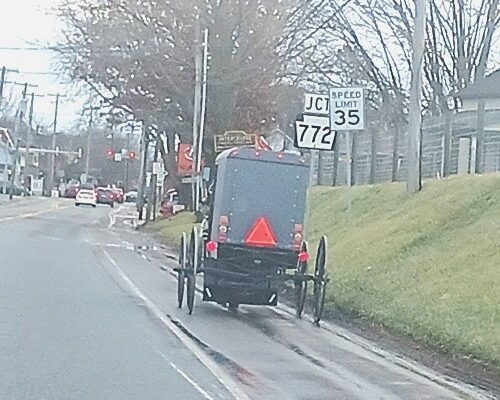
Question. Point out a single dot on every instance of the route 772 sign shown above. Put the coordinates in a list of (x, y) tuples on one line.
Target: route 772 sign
[(314, 133)]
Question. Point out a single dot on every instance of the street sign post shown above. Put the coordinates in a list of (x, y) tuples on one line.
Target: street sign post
[(346, 108)]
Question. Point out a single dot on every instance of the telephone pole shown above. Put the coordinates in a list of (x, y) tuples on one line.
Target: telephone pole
[(91, 124), (27, 157), (202, 119), (414, 182), (3, 74), (54, 141), (17, 128)]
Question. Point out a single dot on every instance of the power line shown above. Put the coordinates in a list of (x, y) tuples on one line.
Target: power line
[(38, 73), (25, 48)]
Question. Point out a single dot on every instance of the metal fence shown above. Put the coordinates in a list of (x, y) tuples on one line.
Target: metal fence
[(448, 147)]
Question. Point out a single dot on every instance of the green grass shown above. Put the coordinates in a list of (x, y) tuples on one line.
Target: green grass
[(427, 266), (171, 229)]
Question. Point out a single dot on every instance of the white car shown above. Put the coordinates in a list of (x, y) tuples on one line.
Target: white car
[(86, 195)]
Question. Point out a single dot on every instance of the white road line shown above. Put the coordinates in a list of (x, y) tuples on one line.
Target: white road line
[(32, 214), (112, 220), (219, 374), (198, 388)]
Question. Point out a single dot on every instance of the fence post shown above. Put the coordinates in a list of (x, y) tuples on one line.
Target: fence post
[(479, 164), (373, 156), (395, 153), (354, 153), (336, 151), (448, 130)]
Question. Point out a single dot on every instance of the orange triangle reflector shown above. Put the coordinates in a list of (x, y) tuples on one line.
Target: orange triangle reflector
[(261, 234)]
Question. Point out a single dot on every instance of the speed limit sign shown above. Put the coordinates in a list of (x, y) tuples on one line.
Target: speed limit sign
[(347, 109)]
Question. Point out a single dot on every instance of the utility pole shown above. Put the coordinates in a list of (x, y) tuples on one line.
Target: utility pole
[(127, 161), (54, 141), (414, 182), (202, 118), (198, 58), (91, 123), (27, 157), (151, 206), (480, 73), (3, 74), (19, 118), (142, 173)]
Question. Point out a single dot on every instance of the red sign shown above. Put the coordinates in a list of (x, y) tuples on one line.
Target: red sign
[(261, 234), (185, 159)]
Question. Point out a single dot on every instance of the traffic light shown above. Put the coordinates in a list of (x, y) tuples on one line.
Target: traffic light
[(110, 154)]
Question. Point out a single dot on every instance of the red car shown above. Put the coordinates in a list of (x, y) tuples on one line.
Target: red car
[(71, 190), (119, 196)]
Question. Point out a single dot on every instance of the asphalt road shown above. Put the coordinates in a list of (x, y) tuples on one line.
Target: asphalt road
[(87, 311)]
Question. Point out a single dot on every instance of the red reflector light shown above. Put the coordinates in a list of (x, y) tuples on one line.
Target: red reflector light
[(303, 256), (211, 246), (261, 234)]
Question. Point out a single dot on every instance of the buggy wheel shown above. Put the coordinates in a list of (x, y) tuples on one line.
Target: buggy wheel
[(194, 259), (300, 283), (320, 280), (183, 258)]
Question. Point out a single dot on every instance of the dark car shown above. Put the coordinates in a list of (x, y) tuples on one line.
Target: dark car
[(106, 196)]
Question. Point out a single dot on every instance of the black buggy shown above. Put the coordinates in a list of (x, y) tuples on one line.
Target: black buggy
[(252, 241)]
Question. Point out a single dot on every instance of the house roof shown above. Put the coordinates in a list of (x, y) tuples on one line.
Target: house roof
[(485, 88)]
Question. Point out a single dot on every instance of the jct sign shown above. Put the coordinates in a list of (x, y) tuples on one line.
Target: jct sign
[(347, 109)]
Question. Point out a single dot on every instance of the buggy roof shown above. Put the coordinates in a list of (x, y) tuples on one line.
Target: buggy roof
[(248, 153)]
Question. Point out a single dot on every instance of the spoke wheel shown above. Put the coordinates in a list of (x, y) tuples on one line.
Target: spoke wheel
[(182, 267), (194, 258), (319, 293), (300, 283)]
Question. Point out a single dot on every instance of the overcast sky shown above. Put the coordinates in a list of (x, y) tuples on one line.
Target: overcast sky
[(22, 23)]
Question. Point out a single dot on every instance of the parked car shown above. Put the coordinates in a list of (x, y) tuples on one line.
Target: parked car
[(131, 197), (72, 189), (86, 195), (18, 189), (106, 196), (119, 196)]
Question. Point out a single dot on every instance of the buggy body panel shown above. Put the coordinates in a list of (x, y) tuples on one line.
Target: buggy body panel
[(251, 185)]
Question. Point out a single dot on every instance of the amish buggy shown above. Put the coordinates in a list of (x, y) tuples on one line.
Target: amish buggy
[(251, 243)]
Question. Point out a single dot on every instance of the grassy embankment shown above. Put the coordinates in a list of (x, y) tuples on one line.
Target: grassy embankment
[(426, 266)]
